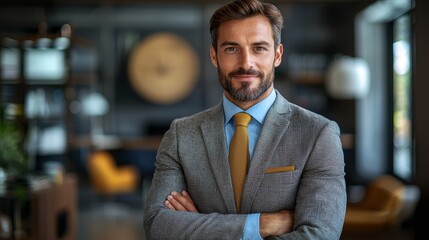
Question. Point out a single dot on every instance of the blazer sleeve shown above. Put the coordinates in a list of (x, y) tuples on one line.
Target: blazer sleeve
[(321, 198), (163, 223)]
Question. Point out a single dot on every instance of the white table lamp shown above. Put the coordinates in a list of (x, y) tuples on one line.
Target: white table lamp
[(348, 78)]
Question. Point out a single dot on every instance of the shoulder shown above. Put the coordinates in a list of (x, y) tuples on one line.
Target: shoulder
[(215, 112), (304, 114), (301, 117)]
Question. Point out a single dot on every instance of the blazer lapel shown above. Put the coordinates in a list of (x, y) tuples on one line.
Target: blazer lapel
[(275, 125), (212, 129)]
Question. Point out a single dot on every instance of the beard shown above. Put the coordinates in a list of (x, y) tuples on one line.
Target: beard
[(244, 93)]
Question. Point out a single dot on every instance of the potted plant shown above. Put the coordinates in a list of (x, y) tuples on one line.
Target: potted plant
[(13, 161)]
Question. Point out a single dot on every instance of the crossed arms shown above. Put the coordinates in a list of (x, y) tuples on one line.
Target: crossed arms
[(270, 224)]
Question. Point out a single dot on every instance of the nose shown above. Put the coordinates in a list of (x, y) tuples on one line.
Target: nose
[(246, 59)]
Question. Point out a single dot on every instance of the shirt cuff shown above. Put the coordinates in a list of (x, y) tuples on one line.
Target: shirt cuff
[(251, 227)]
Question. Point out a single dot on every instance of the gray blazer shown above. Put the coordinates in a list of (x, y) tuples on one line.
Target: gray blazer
[(297, 164)]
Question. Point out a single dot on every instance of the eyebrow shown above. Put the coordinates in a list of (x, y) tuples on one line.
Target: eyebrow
[(229, 44), (261, 43)]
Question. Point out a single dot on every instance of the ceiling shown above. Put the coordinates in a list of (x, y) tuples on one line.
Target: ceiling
[(125, 2)]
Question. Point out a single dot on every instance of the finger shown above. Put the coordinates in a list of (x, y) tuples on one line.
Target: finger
[(176, 204), (168, 205), (186, 202), (191, 205), (186, 195)]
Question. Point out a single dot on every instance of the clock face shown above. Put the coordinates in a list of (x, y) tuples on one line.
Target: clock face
[(163, 68)]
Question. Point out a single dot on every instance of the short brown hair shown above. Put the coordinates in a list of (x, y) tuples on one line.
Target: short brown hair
[(240, 9)]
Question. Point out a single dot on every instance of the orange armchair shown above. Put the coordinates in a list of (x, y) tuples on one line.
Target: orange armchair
[(380, 208), (107, 178)]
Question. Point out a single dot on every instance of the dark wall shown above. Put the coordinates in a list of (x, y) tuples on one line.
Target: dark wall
[(310, 29), (421, 113)]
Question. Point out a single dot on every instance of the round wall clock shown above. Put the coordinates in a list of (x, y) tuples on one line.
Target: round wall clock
[(163, 68)]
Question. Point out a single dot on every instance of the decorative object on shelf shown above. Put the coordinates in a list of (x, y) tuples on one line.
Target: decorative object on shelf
[(10, 60), (52, 140), (44, 64), (163, 68), (6, 226), (95, 105), (55, 171), (348, 78)]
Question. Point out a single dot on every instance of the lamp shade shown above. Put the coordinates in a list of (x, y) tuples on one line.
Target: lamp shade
[(95, 104), (348, 78)]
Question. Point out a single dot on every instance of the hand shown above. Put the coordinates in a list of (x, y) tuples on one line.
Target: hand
[(180, 202), (276, 224)]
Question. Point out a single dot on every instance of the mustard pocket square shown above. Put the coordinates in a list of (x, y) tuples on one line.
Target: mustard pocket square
[(280, 169)]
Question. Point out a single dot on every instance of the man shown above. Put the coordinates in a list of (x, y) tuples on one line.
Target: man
[(294, 188)]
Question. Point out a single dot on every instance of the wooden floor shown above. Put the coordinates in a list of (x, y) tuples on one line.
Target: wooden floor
[(111, 222), (120, 217)]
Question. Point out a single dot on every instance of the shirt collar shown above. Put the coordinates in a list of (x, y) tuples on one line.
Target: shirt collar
[(257, 111)]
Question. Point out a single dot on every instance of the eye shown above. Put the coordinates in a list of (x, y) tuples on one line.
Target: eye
[(259, 49), (231, 49)]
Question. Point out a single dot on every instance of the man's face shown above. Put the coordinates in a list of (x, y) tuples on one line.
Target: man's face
[(246, 58)]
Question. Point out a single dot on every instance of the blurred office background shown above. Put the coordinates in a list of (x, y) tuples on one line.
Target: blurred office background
[(91, 86)]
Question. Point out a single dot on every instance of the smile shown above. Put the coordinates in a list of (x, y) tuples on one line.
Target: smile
[(246, 78)]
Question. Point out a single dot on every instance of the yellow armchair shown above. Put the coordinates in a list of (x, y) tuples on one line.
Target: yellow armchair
[(380, 208), (107, 178)]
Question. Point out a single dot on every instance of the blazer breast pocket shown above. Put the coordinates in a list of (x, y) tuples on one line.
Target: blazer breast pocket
[(280, 169), (277, 190), (279, 177)]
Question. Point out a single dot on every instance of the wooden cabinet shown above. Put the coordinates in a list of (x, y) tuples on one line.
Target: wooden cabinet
[(54, 211), (46, 210)]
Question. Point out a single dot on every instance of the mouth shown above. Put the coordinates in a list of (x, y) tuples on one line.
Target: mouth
[(242, 75), (246, 78)]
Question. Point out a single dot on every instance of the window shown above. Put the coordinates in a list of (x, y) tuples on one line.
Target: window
[(401, 87), (383, 117)]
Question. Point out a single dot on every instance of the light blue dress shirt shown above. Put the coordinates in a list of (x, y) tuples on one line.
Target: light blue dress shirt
[(258, 112)]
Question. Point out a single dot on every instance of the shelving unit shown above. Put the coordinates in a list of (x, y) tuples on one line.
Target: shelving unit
[(39, 87)]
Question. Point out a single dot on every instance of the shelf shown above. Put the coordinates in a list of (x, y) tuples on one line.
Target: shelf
[(82, 79), (308, 79), (107, 141), (11, 82), (148, 143), (46, 82)]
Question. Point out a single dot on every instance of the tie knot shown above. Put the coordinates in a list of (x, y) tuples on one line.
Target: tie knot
[(242, 119)]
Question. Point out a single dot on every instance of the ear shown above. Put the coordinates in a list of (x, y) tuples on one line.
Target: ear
[(213, 56), (279, 54)]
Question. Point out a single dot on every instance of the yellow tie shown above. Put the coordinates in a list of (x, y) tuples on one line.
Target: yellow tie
[(239, 155)]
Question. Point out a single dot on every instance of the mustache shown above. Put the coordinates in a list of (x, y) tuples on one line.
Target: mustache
[(242, 71)]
